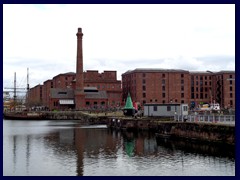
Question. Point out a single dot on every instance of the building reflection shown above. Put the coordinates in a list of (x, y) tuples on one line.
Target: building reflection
[(95, 143)]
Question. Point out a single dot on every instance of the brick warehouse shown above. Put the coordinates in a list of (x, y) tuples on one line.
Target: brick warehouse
[(83, 89), (180, 86)]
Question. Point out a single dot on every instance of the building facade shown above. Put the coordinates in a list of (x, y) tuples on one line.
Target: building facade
[(80, 90), (180, 86)]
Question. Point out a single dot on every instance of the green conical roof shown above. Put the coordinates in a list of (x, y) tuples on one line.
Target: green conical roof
[(129, 104)]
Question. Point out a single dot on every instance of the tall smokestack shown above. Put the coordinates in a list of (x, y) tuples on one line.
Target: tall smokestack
[(79, 70), (79, 92)]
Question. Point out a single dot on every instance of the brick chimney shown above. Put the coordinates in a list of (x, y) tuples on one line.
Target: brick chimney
[(79, 92)]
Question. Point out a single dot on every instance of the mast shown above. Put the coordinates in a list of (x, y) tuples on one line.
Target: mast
[(14, 92), (27, 80)]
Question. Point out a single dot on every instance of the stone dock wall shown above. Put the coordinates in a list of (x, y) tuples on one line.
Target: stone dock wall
[(212, 132)]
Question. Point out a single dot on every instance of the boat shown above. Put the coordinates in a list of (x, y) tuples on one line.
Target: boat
[(20, 112), (24, 115)]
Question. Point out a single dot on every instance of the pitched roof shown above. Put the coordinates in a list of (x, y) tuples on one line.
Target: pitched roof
[(96, 95), (61, 93)]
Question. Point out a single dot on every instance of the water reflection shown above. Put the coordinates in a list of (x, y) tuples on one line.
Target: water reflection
[(67, 148)]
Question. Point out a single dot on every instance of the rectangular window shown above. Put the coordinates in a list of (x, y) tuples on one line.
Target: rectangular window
[(154, 108), (230, 81), (192, 83), (182, 88), (163, 95), (201, 95), (163, 75), (182, 95), (143, 81), (206, 96), (168, 108), (62, 92), (144, 95), (144, 88), (192, 89), (205, 83), (231, 88), (182, 75), (192, 95), (185, 108), (143, 75), (163, 81), (163, 88), (230, 95), (182, 81)]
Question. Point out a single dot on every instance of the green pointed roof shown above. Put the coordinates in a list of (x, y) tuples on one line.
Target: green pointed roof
[(129, 104)]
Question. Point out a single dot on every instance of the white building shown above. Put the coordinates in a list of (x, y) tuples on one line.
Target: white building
[(165, 109)]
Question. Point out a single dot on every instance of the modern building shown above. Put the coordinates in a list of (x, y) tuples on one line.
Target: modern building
[(180, 86)]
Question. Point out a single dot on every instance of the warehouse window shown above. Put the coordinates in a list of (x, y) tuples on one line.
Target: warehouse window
[(144, 88)]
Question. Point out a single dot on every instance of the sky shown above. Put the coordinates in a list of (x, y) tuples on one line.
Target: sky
[(194, 37)]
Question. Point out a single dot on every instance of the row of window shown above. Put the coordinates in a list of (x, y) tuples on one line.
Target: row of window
[(201, 77), (170, 108), (163, 88), (105, 86), (201, 89), (163, 81), (163, 75), (201, 83)]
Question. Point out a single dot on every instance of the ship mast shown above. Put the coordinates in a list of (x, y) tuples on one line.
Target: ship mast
[(27, 80), (15, 91)]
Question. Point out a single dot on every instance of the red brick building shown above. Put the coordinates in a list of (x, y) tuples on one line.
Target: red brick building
[(35, 96), (180, 86), (78, 90)]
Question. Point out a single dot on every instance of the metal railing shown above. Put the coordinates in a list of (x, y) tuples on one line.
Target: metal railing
[(221, 119)]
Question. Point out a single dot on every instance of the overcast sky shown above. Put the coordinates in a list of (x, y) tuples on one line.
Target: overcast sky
[(116, 37)]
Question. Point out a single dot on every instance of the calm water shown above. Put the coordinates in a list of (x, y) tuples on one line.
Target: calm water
[(64, 148)]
